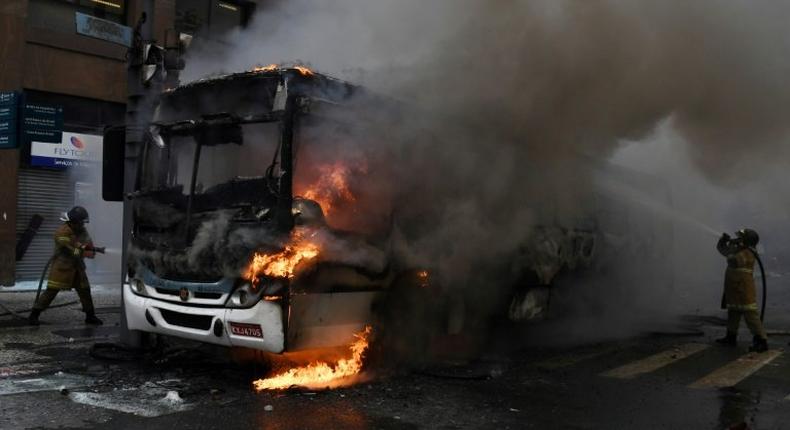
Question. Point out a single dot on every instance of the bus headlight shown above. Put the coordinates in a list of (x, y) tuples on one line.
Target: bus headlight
[(138, 287), (247, 295)]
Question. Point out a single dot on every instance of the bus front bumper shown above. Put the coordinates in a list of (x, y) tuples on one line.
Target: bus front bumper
[(259, 327)]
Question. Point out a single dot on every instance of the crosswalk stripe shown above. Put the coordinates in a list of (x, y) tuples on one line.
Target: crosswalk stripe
[(655, 362), (736, 371)]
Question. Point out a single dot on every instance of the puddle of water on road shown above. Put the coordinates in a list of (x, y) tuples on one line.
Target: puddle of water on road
[(149, 400), (45, 383)]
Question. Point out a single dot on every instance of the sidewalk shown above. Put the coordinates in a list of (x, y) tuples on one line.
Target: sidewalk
[(32, 286), (65, 308)]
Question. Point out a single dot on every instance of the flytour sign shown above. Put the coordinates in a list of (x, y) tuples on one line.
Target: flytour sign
[(73, 150)]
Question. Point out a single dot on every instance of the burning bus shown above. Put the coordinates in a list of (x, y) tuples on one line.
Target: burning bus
[(229, 241), (246, 233)]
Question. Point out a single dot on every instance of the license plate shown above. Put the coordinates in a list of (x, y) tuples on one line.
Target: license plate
[(249, 330)]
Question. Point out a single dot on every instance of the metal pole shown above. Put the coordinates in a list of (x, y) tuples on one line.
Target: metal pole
[(191, 198), (139, 107), (285, 219)]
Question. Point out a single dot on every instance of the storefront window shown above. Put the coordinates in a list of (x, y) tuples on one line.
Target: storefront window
[(191, 15), (113, 7), (59, 15), (211, 18)]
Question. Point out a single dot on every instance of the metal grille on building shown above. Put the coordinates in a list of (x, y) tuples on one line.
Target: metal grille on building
[(47, 193)]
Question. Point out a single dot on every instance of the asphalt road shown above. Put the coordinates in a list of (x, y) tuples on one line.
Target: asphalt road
[(671, 380)]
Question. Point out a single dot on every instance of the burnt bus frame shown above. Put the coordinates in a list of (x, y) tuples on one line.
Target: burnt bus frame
[(305, 90), (283, 217)]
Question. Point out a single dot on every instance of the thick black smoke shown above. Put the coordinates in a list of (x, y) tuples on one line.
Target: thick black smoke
[(517, 97)]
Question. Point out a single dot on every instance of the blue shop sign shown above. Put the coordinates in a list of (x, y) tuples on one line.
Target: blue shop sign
[(9, 98), (8, 126), (9, 120), (102, 29), (8, 112)]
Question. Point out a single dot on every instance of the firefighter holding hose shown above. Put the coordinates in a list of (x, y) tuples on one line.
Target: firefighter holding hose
[(740, 295), (72, 245)]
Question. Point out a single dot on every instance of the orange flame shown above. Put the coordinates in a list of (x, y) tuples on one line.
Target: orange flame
[(269, 68), (321, 374), (331, 187), (423, 277), (281, 264), (304, 70)]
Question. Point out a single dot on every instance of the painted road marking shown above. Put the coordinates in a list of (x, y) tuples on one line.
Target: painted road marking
[(655, 362), (735, 372)]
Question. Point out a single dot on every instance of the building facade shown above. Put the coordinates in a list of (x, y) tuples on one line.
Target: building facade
[(67, 58)]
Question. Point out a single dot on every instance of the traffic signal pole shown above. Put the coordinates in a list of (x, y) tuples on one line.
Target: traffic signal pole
[(139, 108)]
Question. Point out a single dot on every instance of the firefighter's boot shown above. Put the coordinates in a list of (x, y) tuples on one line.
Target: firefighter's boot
[(32, 319), (90, 318), (729, 340), (759, 344)]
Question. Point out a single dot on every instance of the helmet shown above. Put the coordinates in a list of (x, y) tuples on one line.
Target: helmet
[(750, 237), (77, 214)]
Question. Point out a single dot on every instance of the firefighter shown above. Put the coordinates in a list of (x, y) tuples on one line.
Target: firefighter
[(72, 245), (740, 295)]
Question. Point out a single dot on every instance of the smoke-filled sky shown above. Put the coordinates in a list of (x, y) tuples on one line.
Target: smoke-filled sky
[(571, 75), (545, 82)]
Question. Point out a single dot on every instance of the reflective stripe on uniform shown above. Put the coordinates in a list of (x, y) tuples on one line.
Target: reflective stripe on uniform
[(56, 284), (740, 269), (749, 307)]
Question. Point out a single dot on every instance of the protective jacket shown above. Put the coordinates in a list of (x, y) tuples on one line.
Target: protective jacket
[(72, 245), (739, 289)]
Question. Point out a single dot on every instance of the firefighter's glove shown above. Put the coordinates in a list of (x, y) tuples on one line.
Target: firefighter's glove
[(87, 251)]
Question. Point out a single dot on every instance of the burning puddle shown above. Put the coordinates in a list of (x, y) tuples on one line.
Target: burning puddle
[(152, 399), (321, 374)]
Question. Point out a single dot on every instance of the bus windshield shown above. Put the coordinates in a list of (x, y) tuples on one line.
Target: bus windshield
[(170, 166)]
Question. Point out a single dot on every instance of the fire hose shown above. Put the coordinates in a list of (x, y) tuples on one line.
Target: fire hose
[(765, 283), (41, 279), (38, 293), (99, 250)]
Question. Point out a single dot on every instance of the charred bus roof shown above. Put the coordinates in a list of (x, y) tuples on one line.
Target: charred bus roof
[(251, 92)]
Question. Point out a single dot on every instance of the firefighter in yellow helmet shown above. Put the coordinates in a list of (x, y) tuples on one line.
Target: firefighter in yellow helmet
[(72, 245), (740, 295)]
